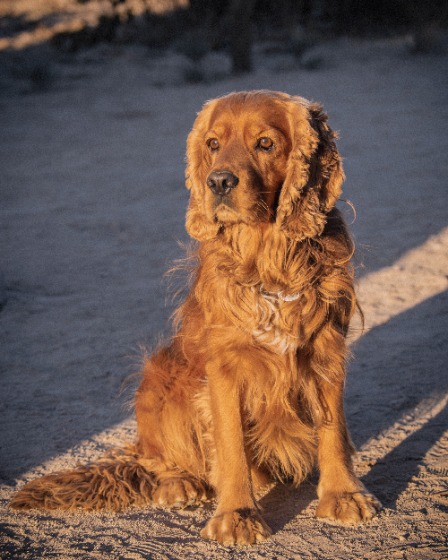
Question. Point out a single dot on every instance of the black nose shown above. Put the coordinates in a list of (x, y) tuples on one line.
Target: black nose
[(222, 182)]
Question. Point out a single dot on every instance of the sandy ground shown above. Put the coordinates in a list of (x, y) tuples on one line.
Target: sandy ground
[(92, 209)]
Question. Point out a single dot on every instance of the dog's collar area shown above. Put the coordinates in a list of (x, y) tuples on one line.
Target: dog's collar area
[(274, 296)]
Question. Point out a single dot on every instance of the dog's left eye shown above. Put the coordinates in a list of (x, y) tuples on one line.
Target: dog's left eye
[(213, 144), (265, 144)]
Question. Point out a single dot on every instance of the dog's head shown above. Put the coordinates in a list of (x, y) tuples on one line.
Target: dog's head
[(260, 157)]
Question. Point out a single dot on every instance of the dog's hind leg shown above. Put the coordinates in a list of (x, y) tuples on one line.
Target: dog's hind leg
[(170, 431)]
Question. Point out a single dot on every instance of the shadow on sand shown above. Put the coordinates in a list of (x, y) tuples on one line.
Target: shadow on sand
[(387, 364)]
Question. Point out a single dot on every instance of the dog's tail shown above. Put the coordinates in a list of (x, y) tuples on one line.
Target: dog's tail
[(114, 482)]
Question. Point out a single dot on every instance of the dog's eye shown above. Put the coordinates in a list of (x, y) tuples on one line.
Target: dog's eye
[(265, 144), (213, 144)]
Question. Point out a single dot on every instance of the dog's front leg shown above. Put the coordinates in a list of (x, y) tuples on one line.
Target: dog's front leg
[(342, 495), (237, 519)]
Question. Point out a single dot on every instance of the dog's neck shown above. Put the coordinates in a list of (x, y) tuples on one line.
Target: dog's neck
[(263, 258)]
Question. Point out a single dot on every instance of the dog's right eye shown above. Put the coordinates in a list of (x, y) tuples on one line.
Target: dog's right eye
[(265, 143), (213, 144)]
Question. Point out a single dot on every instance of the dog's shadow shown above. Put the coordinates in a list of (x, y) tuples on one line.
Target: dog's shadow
[(390, 475), (284, 502)]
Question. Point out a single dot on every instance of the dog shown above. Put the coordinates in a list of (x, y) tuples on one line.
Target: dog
[(250, 388)]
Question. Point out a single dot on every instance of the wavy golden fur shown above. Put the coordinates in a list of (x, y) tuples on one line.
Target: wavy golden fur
[(250, 388)]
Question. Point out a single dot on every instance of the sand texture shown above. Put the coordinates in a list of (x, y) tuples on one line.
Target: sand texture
[(91, 213)]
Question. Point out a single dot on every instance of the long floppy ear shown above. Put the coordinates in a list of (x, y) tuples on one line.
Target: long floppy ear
[(197, 224), (314, 176)]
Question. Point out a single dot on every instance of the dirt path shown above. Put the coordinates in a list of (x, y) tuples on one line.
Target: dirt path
[(92, 206)]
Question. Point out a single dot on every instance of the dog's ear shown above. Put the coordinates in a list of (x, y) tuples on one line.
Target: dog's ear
[(314, 176), (197, 224)]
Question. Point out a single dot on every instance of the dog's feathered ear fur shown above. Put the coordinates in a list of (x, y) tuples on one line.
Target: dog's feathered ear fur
[(197, 224), (314, 175)]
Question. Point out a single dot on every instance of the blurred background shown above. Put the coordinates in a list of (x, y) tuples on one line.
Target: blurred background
[(215, 37)]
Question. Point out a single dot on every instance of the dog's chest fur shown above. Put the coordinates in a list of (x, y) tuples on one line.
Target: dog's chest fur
[(267, 288), (275, 326), (271, 319)]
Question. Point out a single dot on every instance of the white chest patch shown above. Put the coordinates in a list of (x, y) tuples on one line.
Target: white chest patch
[(272, 328)]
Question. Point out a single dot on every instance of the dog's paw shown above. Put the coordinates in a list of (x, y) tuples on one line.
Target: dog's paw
[(242, 527), (349, 508), (179, 492)]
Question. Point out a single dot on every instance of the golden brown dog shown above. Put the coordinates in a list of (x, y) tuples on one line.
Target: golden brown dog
[(250, 388)]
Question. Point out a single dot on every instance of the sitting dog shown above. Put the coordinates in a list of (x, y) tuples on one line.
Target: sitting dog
[(250, 387)]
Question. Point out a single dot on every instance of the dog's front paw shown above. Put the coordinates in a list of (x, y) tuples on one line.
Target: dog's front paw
[(349, 508), (242, 526), (179, 492)]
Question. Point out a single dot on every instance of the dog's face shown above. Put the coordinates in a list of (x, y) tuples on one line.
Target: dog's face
[(245, 152), (251, 157)]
